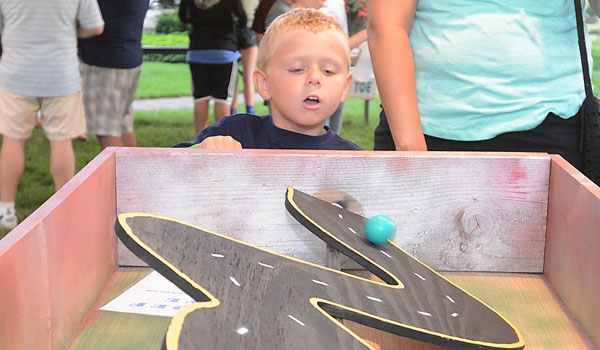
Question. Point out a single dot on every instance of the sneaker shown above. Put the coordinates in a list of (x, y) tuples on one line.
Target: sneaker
[(8, 220)]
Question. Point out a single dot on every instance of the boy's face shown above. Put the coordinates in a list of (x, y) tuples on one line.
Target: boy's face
[(306, 80)]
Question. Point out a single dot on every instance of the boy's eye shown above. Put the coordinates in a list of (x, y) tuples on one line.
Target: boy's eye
[(296, 70)]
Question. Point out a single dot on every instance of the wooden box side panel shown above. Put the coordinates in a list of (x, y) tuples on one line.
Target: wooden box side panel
[(453, 211), (55, 264), (573, 241)]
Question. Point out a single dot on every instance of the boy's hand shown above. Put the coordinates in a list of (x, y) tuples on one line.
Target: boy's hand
[(219, 142)]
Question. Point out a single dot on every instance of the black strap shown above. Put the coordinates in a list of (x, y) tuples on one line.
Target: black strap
[(582, 49)]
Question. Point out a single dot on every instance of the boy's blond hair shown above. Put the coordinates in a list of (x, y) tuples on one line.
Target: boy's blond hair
[(307, 19)]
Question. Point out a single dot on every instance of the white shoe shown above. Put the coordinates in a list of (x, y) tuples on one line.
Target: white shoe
[(8, 220)]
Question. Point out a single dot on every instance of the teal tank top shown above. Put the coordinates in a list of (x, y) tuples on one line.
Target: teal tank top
[(488, 67)]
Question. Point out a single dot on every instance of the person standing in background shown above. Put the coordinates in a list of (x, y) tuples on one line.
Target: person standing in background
[(248, 47), (111, 65), (283, 6), (213, 54), (39, 71), (337, 10), (451, 79), (260, 16)]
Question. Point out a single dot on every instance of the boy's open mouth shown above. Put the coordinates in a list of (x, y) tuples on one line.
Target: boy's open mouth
[(312, 100)]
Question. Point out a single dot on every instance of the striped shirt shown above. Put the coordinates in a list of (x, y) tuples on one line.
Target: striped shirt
[(39, 39)]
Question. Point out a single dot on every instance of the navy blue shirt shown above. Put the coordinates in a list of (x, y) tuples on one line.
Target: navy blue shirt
[(257, 132), (119, 46)]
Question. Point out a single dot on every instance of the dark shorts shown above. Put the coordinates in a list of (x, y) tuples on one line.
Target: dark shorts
[(554, 136), (246, 38), (216, 81)]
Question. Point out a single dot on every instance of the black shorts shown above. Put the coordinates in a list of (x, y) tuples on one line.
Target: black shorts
[(216, 81), (554, 136)]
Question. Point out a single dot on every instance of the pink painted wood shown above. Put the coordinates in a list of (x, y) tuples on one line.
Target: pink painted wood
[(55, 264), (572, 263)]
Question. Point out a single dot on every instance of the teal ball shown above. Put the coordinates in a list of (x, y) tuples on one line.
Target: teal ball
[(379, 229)]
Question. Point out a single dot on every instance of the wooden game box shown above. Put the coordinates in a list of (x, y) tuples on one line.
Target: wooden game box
[(519, 231)]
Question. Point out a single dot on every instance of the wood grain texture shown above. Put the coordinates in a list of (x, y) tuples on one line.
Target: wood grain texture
[(573, 242), (240, 287), (454, 211)]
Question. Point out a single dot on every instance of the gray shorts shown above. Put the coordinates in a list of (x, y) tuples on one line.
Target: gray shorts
[(108, 94)]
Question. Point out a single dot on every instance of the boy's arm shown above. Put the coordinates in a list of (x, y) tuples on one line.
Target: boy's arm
[(390, 23)]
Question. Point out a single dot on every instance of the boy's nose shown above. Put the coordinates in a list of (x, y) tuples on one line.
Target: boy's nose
[(314, 77)]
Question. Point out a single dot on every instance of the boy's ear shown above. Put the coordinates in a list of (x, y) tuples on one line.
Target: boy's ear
[(261, 83), (349, 80)]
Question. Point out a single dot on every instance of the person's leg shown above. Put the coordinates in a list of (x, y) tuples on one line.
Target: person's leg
[(222, 109), (202, 81), (12, 166), (201, 114), (248, 65), (337, 118), (225, 80), (18, 115), (382, 136), (64, 119), (62, 161), (128, 139), (234, 103), (109, 141)]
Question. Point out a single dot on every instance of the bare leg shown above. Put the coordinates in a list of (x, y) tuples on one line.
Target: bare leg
[(129, 139), (12, 166), (126, 140), (109, 141), (62, 161), (200, 115), (221, 110), (248, 64)]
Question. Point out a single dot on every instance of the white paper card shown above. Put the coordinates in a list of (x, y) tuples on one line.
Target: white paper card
[(153, 295)]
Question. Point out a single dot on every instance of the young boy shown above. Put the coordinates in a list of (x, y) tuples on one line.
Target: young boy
[(304, 71)]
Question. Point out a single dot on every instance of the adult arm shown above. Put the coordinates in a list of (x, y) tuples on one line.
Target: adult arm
[(84, 33), (185, 12), (389, 27), (240, 13), (89, 22), (357, 39)]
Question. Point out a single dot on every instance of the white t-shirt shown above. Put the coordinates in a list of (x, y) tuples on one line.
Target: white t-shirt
[(337, 10)]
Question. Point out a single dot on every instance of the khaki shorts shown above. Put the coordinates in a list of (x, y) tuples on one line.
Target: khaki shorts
[(62, 117)]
